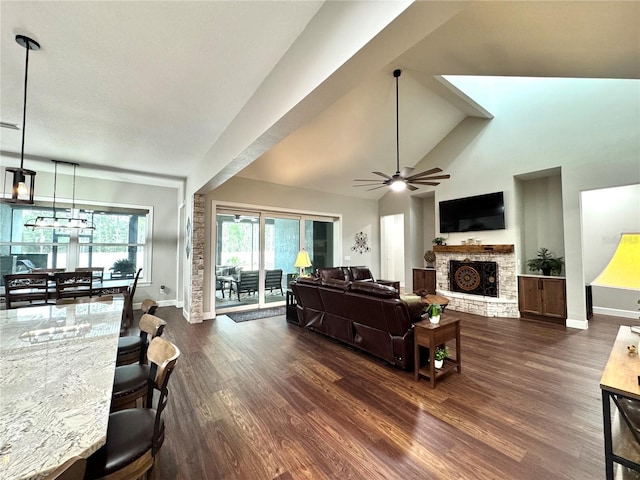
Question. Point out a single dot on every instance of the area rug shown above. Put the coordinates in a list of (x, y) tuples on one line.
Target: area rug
[(256, 314)]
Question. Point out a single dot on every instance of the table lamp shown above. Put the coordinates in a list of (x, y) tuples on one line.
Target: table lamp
[(302, 261)]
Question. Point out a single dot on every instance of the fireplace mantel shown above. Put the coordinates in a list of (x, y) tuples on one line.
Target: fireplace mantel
[(473, 248)]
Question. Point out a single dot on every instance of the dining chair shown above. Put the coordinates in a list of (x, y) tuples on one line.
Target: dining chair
[(26, 287), (97, 272), (73, 284), (135, 435), (72, 469), (133, 384), (133, 348)]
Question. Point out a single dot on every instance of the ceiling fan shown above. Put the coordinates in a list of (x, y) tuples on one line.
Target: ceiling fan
[(402, 179)]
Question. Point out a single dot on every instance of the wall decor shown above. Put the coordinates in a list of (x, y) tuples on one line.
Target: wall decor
[(361, 243)]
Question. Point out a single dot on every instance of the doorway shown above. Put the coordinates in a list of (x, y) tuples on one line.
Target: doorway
[(392, 248)]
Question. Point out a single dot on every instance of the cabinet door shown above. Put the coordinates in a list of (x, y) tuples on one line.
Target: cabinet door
[(553, 298), (423, 278), (528, 295)]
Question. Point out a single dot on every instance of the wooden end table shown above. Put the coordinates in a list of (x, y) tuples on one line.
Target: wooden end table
[(431, 335)]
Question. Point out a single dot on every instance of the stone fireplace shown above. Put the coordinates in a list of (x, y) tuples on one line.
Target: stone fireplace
[(479, 279)]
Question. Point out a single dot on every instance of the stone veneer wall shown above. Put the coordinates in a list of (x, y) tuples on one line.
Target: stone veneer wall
[(506, 305), (196, 307)]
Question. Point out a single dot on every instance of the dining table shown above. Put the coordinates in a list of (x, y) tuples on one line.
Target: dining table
[(57, 364)]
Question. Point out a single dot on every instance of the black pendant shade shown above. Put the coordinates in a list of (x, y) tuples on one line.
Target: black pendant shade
[(22, 179)]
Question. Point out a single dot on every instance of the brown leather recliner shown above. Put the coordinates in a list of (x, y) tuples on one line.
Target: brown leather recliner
[(363, 314)]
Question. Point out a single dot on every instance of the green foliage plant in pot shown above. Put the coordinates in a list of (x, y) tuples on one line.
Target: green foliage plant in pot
[(439, 241), (433, 310), (439, 356), (545, 262), (123, 268)]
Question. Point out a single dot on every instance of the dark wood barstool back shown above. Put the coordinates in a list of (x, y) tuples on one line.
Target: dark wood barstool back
[(127, 311), (133, 348), (135, 435)]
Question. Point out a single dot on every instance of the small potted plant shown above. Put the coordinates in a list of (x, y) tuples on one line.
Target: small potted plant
[(439, 241), (545, 262), (430, 258), (433, 310), (439, 355), (123, 268)]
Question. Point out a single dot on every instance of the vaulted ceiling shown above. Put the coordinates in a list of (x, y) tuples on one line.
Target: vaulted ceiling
[(128, 87)]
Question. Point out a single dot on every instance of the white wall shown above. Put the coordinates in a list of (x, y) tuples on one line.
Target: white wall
[(590, 129), (607, 214), (541, 220)]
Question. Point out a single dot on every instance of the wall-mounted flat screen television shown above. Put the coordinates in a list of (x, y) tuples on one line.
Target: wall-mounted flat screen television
[(472, 214)]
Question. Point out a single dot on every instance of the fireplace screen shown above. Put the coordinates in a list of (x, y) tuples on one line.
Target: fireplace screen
[(476, 278)]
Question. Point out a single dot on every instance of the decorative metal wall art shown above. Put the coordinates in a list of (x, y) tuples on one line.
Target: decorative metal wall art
[(361, 243)]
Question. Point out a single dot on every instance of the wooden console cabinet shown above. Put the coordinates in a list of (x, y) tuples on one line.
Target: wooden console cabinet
[(542, 298), (424, 278)]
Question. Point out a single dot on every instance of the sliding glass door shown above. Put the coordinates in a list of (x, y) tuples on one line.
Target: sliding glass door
[(256, 252), (237, 259)]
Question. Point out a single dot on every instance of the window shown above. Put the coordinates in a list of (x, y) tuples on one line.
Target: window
[(120, 235)]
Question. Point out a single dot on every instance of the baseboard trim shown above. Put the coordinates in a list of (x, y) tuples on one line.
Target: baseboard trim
[(579, 324), (161, 303), (614, 312)]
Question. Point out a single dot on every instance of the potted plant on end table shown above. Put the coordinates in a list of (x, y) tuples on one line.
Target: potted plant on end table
[(439, 356), (433, 311)]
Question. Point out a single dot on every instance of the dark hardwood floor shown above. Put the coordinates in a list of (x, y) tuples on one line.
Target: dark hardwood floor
[(266, 399)]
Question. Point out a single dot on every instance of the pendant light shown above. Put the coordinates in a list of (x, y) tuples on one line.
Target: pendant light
[(62, 222), (23, 180)]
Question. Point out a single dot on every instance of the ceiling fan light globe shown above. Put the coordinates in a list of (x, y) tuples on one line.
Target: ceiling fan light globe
[(398, 185)]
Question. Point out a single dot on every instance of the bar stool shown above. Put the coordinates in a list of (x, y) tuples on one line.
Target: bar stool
[(149, 306), (132, 349), (133, 384), (135, 435)]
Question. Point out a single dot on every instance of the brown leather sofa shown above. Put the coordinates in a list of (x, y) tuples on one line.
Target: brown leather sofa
[(363, 314)]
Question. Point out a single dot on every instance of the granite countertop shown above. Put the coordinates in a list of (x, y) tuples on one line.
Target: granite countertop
[(56, 378)]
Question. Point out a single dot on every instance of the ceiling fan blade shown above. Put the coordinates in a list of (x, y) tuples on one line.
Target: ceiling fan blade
[(367, 180), (411, 187), (427, 172), (375, 188), (418, 182), (429, 177), (369, 184), (382, 174), (406, 171)]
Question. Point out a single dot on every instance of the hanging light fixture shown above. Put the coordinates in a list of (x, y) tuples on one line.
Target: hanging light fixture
[(62, 222), (23, 180)]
